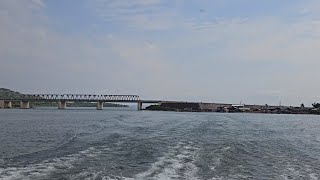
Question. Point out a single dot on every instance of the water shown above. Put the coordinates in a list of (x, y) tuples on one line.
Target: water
[(127, 144)]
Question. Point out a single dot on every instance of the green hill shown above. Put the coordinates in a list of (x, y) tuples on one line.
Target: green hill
[(7, 93)]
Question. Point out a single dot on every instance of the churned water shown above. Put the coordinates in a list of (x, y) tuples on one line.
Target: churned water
[(127, 144)]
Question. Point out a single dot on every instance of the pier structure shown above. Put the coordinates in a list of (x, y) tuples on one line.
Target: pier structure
[(7, 104), (99, 105), (139, 106), (62, 104), (25, 104)]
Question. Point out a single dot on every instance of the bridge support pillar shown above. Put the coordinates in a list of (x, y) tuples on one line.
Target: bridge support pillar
[(99, 105), (1, 104), (25, 105), (139, 105), (62, 104), (7, 104)]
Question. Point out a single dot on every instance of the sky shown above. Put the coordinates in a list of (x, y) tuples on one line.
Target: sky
[(249, 51)]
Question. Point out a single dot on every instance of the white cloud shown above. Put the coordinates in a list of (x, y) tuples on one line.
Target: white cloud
[(138, 14), (268, 39), (39, 2)]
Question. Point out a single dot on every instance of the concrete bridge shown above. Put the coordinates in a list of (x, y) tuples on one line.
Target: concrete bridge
[(63, 99)]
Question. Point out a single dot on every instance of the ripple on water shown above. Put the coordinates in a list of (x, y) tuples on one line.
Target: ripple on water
[(143, 145)]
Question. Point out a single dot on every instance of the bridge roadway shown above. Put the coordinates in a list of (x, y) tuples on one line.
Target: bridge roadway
[(62, 100)]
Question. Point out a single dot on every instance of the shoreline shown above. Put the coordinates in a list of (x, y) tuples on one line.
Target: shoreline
[(229, 108)]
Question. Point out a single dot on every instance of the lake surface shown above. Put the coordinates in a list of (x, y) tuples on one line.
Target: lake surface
[(126, 144)]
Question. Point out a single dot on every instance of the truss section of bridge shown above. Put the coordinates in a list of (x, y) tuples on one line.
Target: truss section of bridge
[(77, 97)]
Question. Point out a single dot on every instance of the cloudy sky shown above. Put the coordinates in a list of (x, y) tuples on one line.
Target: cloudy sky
[(197, 50)]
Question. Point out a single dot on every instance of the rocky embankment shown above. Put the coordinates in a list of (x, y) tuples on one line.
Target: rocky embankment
[(229, 108)]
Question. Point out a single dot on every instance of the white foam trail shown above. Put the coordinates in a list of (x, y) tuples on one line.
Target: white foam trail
[(291, 172), (313, 176), (178, 163), (47, 167)]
